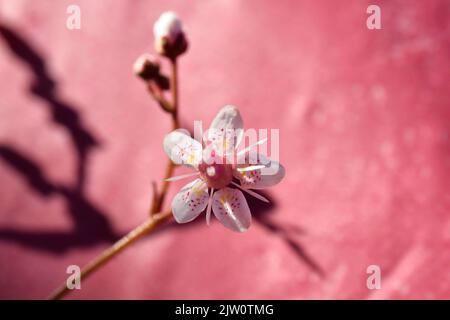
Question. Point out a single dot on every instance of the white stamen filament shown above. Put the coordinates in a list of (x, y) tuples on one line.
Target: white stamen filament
[(176, 178), (252, 193), (251, 168), (208, 209), (251, 146)]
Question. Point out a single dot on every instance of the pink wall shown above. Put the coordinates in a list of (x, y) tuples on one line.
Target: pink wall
[(364, 127)]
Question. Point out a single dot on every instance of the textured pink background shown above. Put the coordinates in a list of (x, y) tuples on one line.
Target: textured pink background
[(364, 118)]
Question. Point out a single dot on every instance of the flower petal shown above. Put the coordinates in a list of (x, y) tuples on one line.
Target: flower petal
[(226, 130), (168, 25), (272, 173), (182, 149), (190, 201), (231, 209)]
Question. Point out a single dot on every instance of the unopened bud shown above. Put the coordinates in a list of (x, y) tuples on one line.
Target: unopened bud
[(162, 82), (146, 67), (170, 40)]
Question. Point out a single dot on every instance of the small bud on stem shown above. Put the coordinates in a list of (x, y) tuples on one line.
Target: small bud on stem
[(146, 67), (170, 39)]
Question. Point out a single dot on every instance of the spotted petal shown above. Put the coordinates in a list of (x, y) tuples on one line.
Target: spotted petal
[(226, 130), (231, 209), (190, 201), (272, 173), (182, 149)]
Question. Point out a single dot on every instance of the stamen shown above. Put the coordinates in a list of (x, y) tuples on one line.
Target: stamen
[(251, 168), (251, 146), (208, 209), (176, 178), (252, 193)]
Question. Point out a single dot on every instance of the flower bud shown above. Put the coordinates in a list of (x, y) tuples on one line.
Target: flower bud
[(162, 82), (146, 67), (170, 40)]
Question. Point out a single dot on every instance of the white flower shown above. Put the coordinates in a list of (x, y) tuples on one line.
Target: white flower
[(212, 189)]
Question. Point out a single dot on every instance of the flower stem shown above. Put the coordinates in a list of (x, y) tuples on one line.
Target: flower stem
[(165, 105), (155, 218), (157, 205), (144, 228), (174, 88)]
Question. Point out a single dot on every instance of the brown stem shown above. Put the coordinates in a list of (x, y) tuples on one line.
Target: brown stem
[(157, 205), (144, 228), (174, 88), (158, 197), (165, 105)]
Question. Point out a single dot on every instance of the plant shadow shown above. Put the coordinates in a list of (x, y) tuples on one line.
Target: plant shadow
[(90, 224)]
